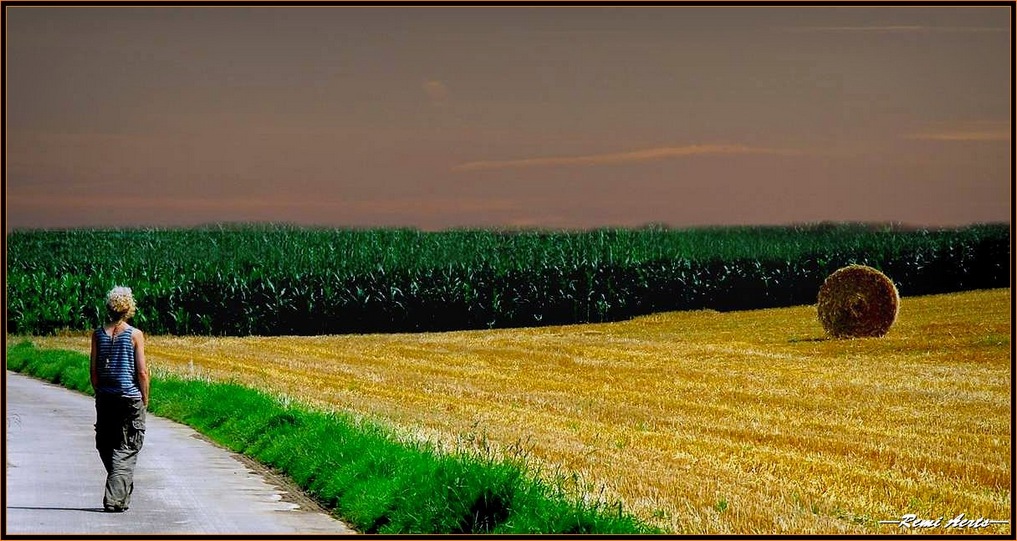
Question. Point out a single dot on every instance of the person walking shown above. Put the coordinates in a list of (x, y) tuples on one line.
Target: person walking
[(121, 384)]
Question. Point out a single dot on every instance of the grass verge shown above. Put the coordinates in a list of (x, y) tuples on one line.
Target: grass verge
[(359, 470)]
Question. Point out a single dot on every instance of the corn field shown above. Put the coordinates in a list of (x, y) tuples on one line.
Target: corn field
[(281, 280)]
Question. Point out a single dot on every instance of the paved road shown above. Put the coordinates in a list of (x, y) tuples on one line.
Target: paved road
[(183, 484)]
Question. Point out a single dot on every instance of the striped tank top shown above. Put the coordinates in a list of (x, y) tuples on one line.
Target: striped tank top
[(115, 364)]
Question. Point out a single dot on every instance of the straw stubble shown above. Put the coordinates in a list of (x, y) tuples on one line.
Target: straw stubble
[(699, 422)]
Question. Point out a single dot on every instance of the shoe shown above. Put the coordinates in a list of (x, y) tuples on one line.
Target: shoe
[(114, 509)]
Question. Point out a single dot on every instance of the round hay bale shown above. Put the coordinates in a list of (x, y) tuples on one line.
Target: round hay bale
[(857, 301)]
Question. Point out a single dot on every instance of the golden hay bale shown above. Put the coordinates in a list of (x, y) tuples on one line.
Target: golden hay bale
[(857, 301)]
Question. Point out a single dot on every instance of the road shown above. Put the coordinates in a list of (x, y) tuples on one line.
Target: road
[(183, 484)]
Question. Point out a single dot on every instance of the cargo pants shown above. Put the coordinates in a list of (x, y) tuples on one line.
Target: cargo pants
[(119, 435)]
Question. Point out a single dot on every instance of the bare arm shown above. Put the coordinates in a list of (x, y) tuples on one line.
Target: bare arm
[(141, 369), (92, 364)]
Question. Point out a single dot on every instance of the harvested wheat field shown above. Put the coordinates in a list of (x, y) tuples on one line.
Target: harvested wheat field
[(699, 422)]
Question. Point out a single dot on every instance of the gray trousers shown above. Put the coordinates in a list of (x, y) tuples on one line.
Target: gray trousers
[(119, 435)]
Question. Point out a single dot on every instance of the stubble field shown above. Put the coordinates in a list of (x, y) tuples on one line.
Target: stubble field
[(698, 422)]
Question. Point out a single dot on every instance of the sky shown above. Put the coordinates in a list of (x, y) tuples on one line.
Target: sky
[(507, 117)]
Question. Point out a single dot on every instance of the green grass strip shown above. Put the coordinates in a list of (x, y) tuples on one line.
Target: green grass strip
[(359, 470)]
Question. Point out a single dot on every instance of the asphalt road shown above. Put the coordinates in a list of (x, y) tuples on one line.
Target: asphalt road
[(183, 484)]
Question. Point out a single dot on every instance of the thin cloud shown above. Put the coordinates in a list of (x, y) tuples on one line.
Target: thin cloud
[(960, 136), (436, 91), (893, 29), (262, 203), (636, 156), (158, 202), (976, 131)]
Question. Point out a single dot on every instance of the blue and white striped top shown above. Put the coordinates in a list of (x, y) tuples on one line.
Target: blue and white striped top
[(115, 364)]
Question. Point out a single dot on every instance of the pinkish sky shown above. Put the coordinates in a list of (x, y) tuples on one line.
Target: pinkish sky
[(437, 117)]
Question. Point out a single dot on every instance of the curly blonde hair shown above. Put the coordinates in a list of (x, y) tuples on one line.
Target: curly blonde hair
[(120, 303)]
